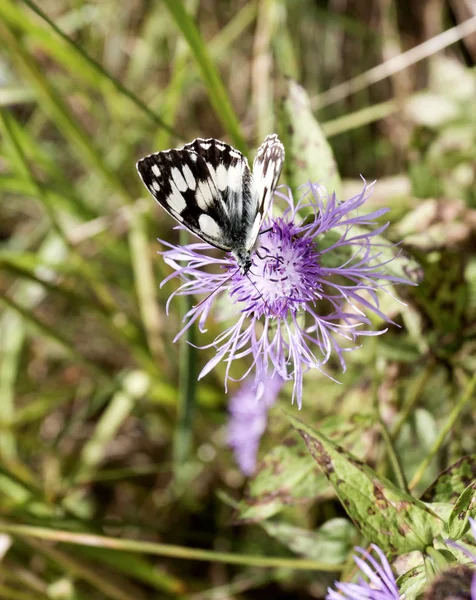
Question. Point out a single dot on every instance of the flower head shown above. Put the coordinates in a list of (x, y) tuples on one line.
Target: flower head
[(381, 584), (456, 583), (248, 418), (315, 273)]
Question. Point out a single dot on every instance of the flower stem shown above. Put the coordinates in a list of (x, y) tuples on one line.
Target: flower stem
[(187, 384), (182, 552), (391, 453), (393, 457), (454, 415), (412, 398)]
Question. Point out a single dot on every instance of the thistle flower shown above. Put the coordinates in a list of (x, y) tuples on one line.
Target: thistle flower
[(248, 418), (310, 281), (381, 584), (456, 583)]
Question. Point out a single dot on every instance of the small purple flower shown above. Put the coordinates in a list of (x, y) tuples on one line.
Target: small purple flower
[(381, 584), (248, 418), (315, 272)]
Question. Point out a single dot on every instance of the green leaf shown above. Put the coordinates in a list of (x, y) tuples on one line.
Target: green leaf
[(464, 507), (334, 540), (309, 156), (452, 482), (411, 584), (287, 475), (386, 515)]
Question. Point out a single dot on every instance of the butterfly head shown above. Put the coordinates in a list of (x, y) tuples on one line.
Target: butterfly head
[(243, 260)]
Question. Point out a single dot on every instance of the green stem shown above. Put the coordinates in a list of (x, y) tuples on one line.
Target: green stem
[(393, 456), (391, 453), (466, 396), (411, 399), (187, 384), (181, 552)]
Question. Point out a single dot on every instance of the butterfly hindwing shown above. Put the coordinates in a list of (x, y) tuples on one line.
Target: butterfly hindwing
[(267, 168)]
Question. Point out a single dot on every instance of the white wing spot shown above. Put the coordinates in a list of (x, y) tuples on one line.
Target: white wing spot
[(235, 177), (221, 177), (193, 156), (178, 179), (204, 196), (156, 186), (253, 234), (219, 147), (235, 154), (209, 227), (191, 181), (175, 200), (205, 146), (156, 170)]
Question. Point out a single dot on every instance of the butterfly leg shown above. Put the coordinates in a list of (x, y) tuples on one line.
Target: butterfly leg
[(265, 231)]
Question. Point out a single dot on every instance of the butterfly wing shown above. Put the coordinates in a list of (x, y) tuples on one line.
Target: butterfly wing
[(267, 168), (203, 186)]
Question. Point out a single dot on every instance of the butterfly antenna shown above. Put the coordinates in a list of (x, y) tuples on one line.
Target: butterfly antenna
[(215, 290), (259, 293)]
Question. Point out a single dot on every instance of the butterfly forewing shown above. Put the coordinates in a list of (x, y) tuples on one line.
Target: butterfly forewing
[(180, 181)]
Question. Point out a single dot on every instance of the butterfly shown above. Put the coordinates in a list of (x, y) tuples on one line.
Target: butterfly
[(208, 187)]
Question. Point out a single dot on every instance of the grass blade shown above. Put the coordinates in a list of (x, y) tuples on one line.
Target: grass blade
[(216, 89), (82, 57)]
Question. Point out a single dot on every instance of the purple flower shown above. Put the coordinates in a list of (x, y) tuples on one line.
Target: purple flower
[(315, 272), (381, 584), (248, 418)]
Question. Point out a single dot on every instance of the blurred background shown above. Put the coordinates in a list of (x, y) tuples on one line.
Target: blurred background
[(103, 427)]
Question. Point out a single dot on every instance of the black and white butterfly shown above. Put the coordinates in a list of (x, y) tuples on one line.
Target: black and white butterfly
[(207, 186)]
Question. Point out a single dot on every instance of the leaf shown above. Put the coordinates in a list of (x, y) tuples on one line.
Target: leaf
[(464, 507), (309, 156), (334, 539), (411, 584), (386, 515), (452, 482), (287, 475)]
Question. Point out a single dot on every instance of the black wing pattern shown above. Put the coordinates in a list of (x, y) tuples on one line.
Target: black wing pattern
[(206, 186)]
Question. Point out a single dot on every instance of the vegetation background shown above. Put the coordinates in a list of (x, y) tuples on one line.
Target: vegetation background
[(104, 430)]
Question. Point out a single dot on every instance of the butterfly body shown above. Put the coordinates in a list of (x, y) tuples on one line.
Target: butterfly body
[(208, 187)]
